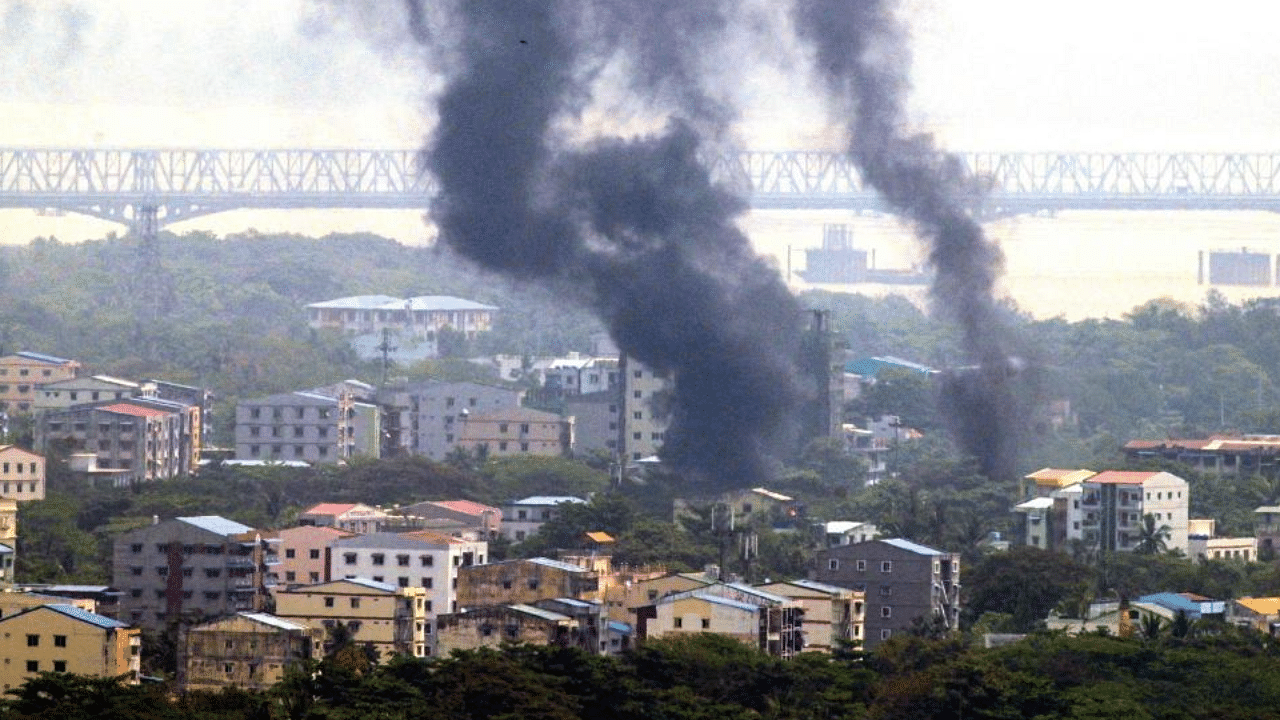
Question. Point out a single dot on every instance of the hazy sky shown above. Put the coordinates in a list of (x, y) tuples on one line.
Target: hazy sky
[(989, 74)]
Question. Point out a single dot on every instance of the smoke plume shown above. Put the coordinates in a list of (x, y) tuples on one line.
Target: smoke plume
[(860, 50), (635, 222)]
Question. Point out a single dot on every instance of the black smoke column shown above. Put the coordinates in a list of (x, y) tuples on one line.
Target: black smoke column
[(860, 48), (635, 223)]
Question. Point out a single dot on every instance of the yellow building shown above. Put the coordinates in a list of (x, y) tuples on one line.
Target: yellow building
[(391, 619), (831, 614), (516, 431), (21, 372), (525, 581), (247, 650), (13, 602), (1044, 481), (21, 474), (622, 599), (65, 638)]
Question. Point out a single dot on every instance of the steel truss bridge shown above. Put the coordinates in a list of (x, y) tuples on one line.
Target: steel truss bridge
[(147, 189)]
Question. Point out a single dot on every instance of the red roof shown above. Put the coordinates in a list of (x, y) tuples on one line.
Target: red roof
[(1121, 477), (135, 410), (466, 506), (330, 509)]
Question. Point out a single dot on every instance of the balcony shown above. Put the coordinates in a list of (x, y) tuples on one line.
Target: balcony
[(241, 561)]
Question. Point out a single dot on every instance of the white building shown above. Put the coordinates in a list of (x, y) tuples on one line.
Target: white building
[(1113, 503), (522, 518), (424, 559)]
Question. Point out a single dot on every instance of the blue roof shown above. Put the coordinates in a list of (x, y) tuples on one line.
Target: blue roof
[(620, 627), (815, 585), (717, 600), (1173, 601), (911, 547), (217, 524), (41, 357), (76, 613), (872, 366)]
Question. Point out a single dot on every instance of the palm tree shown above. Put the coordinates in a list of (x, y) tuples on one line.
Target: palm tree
[(1152, 539)]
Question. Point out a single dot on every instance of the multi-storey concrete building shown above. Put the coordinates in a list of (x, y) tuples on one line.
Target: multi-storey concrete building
[(1113, 503), (597, 419), (300, 426), (421, 559), (522, 518), (422, 317), (525, 581), (248, 650), (515, 431), (644, 416), (425, 418), (757, 618), (832, 615), (304, 554), (903, 582), (484, 519), (21, 474), (66, 639), (191, 568), (22, 372), (355, 518), (145, 439), (63, 394), (391, 619)]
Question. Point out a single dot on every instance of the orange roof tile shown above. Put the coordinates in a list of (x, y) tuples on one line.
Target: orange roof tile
[(1122, 477), (329, 509), (466, 506), (135, 410)]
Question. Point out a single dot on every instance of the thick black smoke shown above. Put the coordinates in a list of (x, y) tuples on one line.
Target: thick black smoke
[(636, 222), (860, 49)]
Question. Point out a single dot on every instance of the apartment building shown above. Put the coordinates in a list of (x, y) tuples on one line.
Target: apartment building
[(422, 317), (469, 515), (21, 474), (189, 568), (515, 431), (304, 555), (757, 618), (522, 518), (422, 559), (145, 439), (525, 581), (66, 639), (302, 426), (597, 419), (63, 394), (832, 615), (1112, 505), (424, 418), (248, 650), (355, 518), (643, 414), (22, 372), (902, 582), (393, 620)]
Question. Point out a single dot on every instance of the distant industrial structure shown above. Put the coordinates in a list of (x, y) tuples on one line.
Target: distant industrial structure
[(1238, 267), (839, 261)]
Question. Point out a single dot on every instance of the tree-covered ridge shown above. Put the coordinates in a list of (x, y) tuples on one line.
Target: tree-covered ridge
[(1225, 674)]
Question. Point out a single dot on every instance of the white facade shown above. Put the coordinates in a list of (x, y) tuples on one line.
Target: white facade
[(1113, 504), (419, 559), (644, 423), (522, 518)]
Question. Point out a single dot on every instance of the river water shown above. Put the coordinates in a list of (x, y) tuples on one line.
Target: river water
[(1073, 265)]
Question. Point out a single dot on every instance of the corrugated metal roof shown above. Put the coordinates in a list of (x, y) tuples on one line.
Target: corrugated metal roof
[(135, 410), (815, 585), (772, 495), (359, 302), (539, 612), (386, 302), (370, 583), (216, 524), (912, 547), (715, 599), (76, 613), (1121, 477), (559, 565), (1262, 606), (41, 357), (465, 506), (445, 302), (1040, 503), (272, 620), (548, 500)]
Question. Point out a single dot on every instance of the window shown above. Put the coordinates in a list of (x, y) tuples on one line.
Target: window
[(402, 560), (59, 665), (135, 570), (33, 641), (378, 578), (212, 572), (290, 576), (379, 559), (862, 566), (833, 564), (886, 589), (426, 560), (314, 554), (679, 622), (426, 582), (328, 602), (886, 566), (355, 603), (33, 666), (349, 558), (403, 581), (290, 552), (886, 611), (706, 623), (884, 634), (315, 577)]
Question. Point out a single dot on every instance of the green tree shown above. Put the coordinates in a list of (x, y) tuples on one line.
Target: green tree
[(1152, 538)]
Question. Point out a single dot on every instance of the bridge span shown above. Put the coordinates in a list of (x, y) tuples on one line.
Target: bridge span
[(149, 188)]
